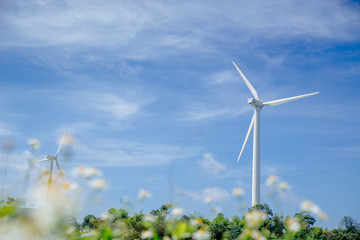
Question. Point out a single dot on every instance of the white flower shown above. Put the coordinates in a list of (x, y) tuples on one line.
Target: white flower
[(216, 209), (34, 143), (98, 184), (87, 172), (106, 216), (147, 234), (308, 206), (255, 234), (208, 199), (254, 218), (284, 186), (201, 234), (143, 194), (271, 180), (69, 139), (238, 192), (196, 222), (322, 216), (148, 218), (70, 186), (177, 212), (292, 224)]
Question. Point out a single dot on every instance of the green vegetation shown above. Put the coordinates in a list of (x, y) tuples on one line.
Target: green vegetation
[(167, 223)]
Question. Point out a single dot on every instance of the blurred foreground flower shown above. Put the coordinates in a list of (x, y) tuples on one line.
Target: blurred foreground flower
[(143, 194), (201, 234), (310, 207), (292, 224), (69, 139), (148, 218), (98, 184), (86, 172), (146, 234), (284, 186), (208, 199), (238, 192), (271, 180), (34, 143), (8, 145), (196, 222), (255, 234), (177, 212), (254, 218)]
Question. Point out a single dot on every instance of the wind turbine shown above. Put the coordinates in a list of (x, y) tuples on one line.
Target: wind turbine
[(255, 126), (52, 159)]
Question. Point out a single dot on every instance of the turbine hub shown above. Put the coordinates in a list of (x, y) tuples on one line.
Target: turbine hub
[(255, 102), (49, 157)]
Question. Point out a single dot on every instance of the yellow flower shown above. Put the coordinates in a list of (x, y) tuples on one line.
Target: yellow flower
[(238, 192), (308, 206), (34, 143), (196, 222), (98, 184), (143, 194), (147, 234), (284, 186), (177, 212), (254, 218), (201, 234), (148, 218), (271, 180), (87, 172), (292, 224), (255, 234)]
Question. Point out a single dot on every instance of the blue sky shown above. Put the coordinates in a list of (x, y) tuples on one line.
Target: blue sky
[(143, 86)]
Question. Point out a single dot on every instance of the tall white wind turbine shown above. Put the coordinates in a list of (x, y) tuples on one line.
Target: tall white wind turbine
[(51, 159), (255, 126)]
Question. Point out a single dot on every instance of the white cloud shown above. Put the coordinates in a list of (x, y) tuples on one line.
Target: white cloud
[(221, 77), (202, 114), (138, 30), (112, 152), (209, 165), (103, 104), (212, 194)]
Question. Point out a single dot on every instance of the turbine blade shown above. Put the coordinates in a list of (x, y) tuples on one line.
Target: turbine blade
[(42, 160), (61, 172), (248, 84), (247, 136), (62, 139), (285, 100)]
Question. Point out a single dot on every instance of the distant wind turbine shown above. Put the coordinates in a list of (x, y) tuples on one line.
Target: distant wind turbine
[(255, 125), (52, 159)]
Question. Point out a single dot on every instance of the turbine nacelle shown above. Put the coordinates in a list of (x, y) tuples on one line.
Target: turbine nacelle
[(49, 157), (254, 102)]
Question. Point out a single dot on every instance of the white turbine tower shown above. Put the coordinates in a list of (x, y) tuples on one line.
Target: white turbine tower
[(255, 125), (52, 159)]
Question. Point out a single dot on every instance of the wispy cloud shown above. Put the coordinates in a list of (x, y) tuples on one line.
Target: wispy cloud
[(211, 194), (221, 77), (139, 30), (209, 165), (112, 152), (106, 104)]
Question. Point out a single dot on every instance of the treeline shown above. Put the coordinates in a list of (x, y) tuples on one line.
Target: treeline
[(169, 223)]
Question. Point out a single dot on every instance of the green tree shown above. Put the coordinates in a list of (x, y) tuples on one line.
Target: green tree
[(88, 222), (119, 213), (219, 227), (349, 224), (306, 218), (235, 227)]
